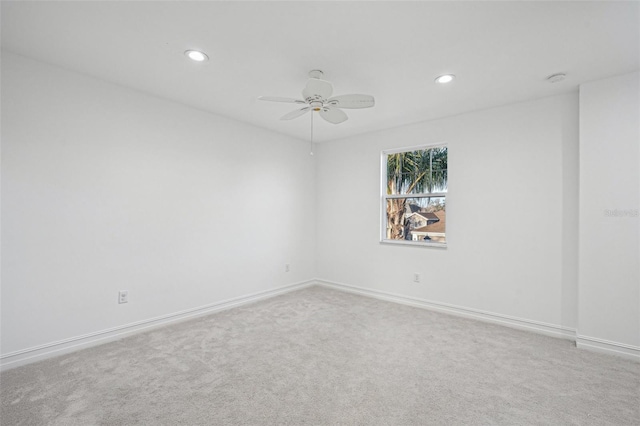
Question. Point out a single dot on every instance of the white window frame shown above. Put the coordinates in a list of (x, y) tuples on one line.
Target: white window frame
[(384, 196)]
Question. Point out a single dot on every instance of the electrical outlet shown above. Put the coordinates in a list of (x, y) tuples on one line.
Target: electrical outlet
[(123, 296), (287, 267), (416, 278)]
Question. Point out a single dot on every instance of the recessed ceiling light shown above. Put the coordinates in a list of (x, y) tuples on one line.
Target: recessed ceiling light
[(196, 55), (446, 78)]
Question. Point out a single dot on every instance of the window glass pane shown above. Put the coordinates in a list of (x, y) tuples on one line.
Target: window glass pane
[(420, 219), (417, 172)]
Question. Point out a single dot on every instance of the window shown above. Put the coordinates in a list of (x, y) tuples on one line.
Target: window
[(414, 192)]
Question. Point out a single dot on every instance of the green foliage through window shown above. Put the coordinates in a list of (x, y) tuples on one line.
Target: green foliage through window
[(422, 175)]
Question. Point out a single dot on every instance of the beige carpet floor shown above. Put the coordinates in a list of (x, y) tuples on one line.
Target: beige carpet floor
[(323, 357)]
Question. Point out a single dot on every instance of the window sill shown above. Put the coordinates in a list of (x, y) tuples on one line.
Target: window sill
[(413, 243)]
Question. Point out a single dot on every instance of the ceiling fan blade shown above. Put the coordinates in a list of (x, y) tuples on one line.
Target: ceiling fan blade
[(317, 87), (352, 101), (295, 114), (333, 115), (279, 99)]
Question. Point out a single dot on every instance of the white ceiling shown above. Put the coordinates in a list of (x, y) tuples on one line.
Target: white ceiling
[(501, 52)]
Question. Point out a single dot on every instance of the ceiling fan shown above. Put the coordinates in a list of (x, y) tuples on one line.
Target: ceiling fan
[(317, 97)]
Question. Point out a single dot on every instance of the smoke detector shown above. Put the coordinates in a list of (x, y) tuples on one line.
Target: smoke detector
[(555, 78)]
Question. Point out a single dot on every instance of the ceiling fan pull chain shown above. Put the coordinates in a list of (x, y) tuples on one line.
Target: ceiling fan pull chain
[(311, 146)]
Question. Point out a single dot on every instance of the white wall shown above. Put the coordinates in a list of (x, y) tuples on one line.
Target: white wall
[(105, 188), (511, 213), (610, 244)]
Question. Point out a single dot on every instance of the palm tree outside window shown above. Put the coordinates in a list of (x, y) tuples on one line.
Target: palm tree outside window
[(414, 191)]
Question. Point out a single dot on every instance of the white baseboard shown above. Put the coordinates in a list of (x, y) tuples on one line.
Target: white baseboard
[(505, 320), (608, 347), (49, 350), (582, 342)]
